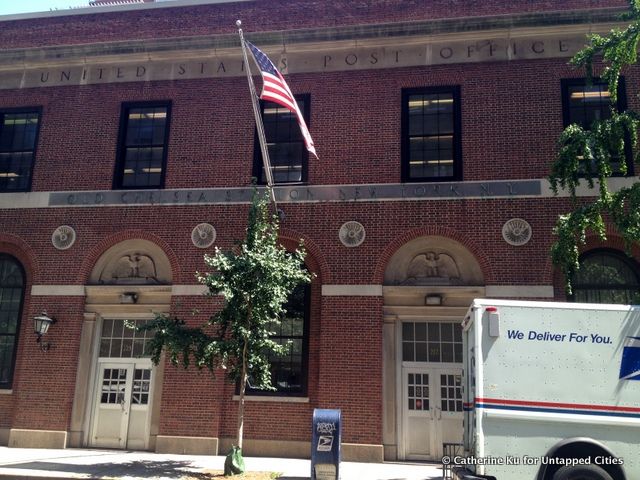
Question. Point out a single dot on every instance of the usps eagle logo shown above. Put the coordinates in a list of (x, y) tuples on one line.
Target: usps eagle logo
[(630, 365)]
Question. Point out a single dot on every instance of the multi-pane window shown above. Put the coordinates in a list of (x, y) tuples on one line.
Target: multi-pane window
[(142, 153), (11, 295), (289, 371), (431, 342), (18, 140), (585, 102), (607, 276), (117, 340), (431, 134), (287, 153)]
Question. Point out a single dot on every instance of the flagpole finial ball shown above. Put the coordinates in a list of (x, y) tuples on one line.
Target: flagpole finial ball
[(238, 23)]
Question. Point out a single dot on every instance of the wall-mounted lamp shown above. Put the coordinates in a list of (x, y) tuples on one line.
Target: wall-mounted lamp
[(433, 300), (41, 326), (129, 297)]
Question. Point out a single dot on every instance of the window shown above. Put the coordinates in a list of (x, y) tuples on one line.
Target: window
[(583, 104), (431, 342), (11, 295), (287, 153), (142, 154), (289, 371), (18, 140), (431, 134), (119, 341), (607, 276)]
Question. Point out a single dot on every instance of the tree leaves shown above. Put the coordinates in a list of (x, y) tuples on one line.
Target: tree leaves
[(255, 279), (587, 156)]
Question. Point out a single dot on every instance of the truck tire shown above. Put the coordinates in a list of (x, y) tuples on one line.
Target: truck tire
[(582, 472)]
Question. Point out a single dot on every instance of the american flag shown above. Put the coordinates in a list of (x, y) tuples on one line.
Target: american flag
[(275, 89)]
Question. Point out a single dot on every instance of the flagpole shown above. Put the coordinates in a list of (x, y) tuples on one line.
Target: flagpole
[(256, 111)]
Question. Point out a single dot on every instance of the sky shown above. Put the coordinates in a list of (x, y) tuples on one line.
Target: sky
[(9, 7)]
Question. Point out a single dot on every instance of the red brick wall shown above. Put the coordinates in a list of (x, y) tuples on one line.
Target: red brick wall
[(43, 392), (351, 360), (260, 16), (511, 120)]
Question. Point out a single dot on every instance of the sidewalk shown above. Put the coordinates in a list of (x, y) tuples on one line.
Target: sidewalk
[(38, 464)]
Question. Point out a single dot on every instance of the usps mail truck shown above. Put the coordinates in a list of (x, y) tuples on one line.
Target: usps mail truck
[(551, 392)]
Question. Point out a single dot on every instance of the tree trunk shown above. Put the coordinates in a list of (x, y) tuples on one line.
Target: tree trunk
[(243, 386)]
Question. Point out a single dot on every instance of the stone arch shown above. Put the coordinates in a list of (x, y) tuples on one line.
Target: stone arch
[(132, 262), (433, 260), (444, 245), (116, 247)]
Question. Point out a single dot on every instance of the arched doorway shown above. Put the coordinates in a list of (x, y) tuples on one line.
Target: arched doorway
[(118, 390), (428, 285)]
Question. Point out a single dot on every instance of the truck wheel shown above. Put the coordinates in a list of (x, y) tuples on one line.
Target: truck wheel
[(582, 472)]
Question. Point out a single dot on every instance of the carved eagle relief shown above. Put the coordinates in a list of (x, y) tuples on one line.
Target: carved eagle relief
[(133, 268), (431, 267)]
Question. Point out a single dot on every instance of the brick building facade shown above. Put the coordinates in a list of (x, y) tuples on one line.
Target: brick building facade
[(125, 129)]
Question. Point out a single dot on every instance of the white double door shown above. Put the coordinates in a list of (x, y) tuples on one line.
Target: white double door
[(431, 410), (121, 412)]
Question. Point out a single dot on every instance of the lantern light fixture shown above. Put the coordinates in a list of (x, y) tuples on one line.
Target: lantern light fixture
[(41, 325)]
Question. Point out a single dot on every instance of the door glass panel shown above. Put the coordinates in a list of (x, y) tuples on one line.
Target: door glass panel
[(114, 382), (418, 391), (451, 393), (141, 381)]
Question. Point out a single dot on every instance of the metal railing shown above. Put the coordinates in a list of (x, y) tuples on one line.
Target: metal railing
[(450, 450)]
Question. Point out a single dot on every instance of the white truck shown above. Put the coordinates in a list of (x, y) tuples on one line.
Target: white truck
[(551, 392)]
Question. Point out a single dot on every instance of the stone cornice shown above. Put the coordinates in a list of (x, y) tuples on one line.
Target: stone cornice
[(100, 9), (305, 40)]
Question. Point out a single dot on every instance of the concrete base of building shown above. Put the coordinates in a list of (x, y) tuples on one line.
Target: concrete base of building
[(351, 452), (4, 436), (23, 438), (363, 453), (74, 439), (390, 452), (268, 448), (187, 445)]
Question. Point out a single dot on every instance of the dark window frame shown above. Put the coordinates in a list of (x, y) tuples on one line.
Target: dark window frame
[(3, 257), (257, 151), (35, 109), (630, 262), (621, 106), (304, 381), (118, 176), (454, 90)]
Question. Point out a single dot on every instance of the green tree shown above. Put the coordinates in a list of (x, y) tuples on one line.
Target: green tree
[(255, 279), (587, 155)]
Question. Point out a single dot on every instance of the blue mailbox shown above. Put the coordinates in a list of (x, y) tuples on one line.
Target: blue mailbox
[(325, 444)]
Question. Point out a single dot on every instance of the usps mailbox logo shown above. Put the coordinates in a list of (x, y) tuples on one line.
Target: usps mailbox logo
[(630, 365), (325, 443)]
